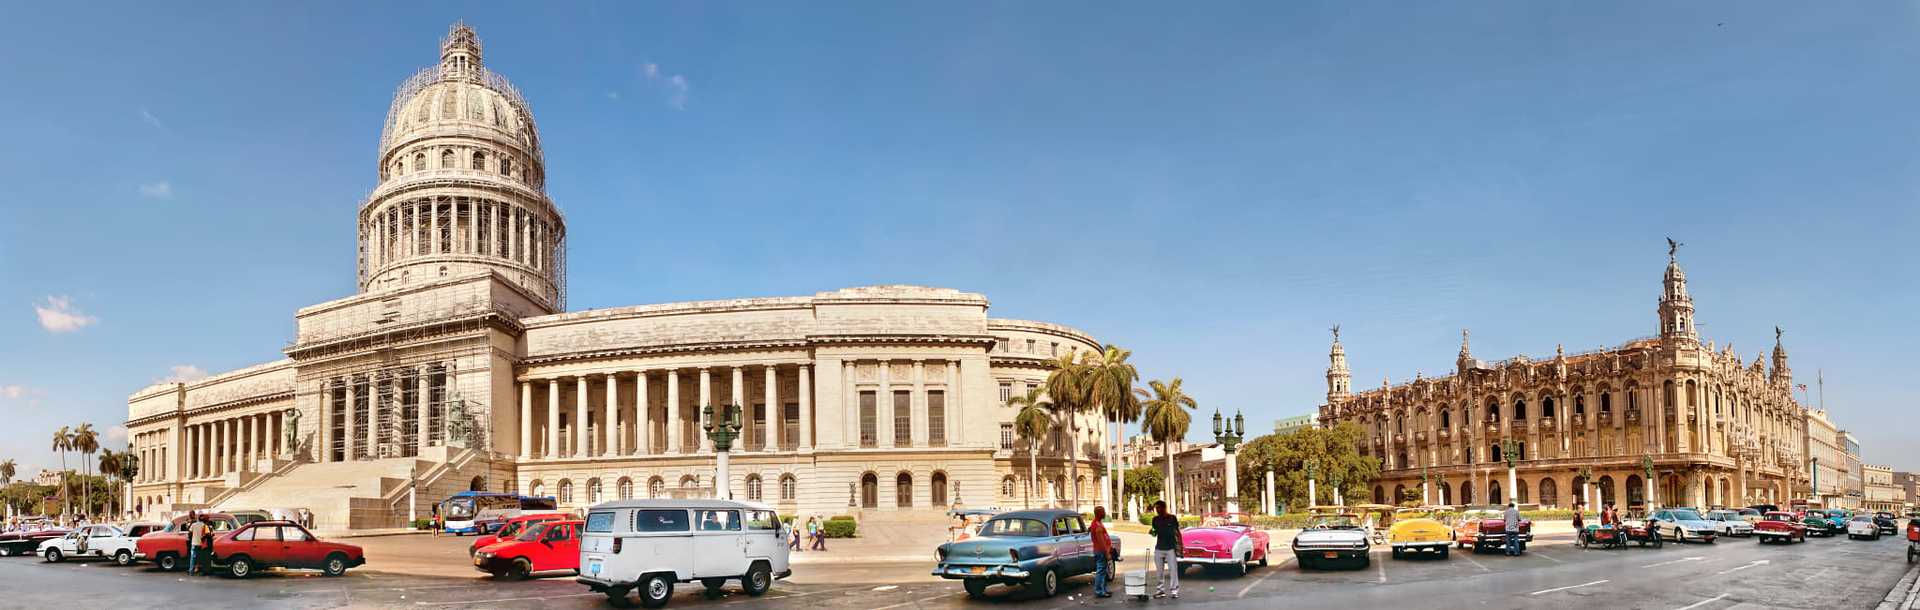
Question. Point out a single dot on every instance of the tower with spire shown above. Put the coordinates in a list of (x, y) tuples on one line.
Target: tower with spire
[(1676, 307), (460, 51), (1465, 361), (1339, 379), (1782, 376)]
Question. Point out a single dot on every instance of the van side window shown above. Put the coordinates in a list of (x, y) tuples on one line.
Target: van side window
[(718, 520), (600, 522), (660, 521), (762, 520)]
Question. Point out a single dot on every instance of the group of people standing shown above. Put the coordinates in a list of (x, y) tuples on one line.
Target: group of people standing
[(816, 538)]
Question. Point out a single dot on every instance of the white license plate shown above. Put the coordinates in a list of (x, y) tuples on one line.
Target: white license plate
[(593, 567)]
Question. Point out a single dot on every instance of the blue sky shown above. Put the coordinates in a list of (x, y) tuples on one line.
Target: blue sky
[(1211, 187)]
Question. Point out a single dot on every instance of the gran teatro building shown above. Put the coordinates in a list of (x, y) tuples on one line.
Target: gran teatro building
[(1720, 432), (457, 366)]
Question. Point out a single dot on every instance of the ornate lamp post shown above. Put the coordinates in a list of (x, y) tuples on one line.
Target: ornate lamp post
[(1510, 449), (1426, 484), (1313, 470), (721, 429), (1646, 465), (1586, 487), (1229, 437)]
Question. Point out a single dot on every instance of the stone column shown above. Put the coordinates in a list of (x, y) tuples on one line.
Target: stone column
[(953, 403), (883, 407), (610, 418), (706, 400), (806, 408), (737, 389), (773, 416), (433, 227), (674, 444), (917, 406), (347, 431), (582, 443), (1659, 421), (222, 447), (526, 419), (643, 419), (422, 409), (553, 419)]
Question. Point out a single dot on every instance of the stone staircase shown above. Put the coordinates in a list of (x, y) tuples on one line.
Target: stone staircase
[(342, 495)]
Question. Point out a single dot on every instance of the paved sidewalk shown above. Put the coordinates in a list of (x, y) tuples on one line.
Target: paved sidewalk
[(1906, 595)]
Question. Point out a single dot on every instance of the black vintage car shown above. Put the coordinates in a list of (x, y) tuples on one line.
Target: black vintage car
[(15, 544), (1884, 521)]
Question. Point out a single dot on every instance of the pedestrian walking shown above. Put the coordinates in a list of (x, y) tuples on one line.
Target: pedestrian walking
[(793, 539), (819, 536), (196, 535), (1102, 553), (436, 521), (1513, 530), (1166, 551)]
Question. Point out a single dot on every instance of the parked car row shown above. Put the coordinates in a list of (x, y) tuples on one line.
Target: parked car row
[(243, 543)]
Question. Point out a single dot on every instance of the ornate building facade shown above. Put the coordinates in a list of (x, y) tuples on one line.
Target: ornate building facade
[(457, 367), (1717, 431)]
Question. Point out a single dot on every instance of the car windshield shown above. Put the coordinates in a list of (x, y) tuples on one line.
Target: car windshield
[(1783, 517), (533, 533), (1686, 515), (1222, 520), (511, 529), (1748, 512), (1333, 522), (459, 508), (1863, 518), (1722, 515), (1015, 528)]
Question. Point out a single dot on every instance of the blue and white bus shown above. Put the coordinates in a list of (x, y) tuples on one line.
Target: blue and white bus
[(480, 512)]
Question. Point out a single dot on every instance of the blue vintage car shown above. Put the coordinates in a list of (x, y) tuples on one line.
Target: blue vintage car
[(1032, 548)]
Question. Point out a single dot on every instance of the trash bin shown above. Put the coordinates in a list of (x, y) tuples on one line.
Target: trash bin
[(1137, 584)]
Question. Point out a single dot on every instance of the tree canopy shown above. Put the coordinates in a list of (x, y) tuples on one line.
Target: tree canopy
[(1336, 457)]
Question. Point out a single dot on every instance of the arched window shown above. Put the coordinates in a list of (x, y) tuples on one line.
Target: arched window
[(1546, 407), (938, 485), (566, 491), (399, 168), (1519, 409), (1466, 492), (788, 487), (1606, 402), (1446, 419), (869, 491), (753, 487), (626, 488), (1579, 404), (1493, 410), (1606, 490), (536, 488), (1520, 490), (506, 166), (689, 483), (1636, 490), (477, 484), (903, 490), (593, 491), (419, 161), (1007, 486), (479, 160), (1379, 495), (656, 488), (446, 159), (1493, 493)]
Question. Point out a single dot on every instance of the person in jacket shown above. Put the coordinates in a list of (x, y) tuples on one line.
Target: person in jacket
[(1102, 552), (793, 537), (1166, 551), (1513, 530), (197, 536)]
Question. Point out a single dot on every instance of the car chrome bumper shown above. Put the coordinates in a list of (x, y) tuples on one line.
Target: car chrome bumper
[(1421, 544), (1209, 560), (964, 572)]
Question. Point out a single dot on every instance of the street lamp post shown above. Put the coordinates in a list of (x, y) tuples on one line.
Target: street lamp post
[(722, 430), (1646, 465), (1229, 436), (1510, 449), (1586, 487), (1313, 470)]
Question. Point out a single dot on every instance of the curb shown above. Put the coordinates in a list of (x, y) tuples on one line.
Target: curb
[(378, 534), (1904, 595)]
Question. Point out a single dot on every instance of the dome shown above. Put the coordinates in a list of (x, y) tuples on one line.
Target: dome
[(460, 96)]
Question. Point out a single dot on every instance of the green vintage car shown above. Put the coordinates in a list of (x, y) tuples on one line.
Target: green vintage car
[(1032, 548), (1822, 523)]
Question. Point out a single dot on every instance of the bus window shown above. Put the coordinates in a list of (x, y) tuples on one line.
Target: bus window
[(668, 520)]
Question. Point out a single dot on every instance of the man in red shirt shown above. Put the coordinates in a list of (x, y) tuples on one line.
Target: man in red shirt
[(1102, 553)]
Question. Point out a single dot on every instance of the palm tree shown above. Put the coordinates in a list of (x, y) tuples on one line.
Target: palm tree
[(109, 465), (1110, 389), (1032, 424), (1165, 420), (86, 442), (1066, 388), (6, 472), (62, 441)]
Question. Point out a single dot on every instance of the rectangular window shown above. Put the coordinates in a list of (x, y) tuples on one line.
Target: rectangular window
[(718, 520), (759, 419), (1030, 346), (902, 418), (1006, 436), (1000, 344), (869, 434), (937, 418), (791, 422), (762, 520), (1006, 393), (600, 522), (660, 521)]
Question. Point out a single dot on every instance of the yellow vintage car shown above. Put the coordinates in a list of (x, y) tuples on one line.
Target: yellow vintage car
[(1421, 529)]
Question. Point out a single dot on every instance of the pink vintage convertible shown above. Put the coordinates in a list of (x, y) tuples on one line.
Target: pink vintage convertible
[(1224, 540)]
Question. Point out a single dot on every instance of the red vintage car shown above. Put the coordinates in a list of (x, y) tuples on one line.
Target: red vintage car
[(1777, 526), (1224, 540), (281, 544), (543, 547), (168, 548), (510, 529), (1483, 529)]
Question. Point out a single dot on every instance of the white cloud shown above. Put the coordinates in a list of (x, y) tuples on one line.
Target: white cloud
[(13, 391), (116, 436), (150, 119), (675, 85), (183, 373), (157, 190), (58, 315)]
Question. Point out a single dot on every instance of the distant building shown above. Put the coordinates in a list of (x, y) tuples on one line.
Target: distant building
[(1827, 486), (47, 477), (1881, 493), (1289, 424), (1855, 488), (1909, 485)]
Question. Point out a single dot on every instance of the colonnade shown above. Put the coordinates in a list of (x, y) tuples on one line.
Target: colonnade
[(673, 426), (216, 446), (456, 225), (352, 407)]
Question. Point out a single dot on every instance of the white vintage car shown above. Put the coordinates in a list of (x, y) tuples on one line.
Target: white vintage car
[(98, 542), (647, 546), (1331, 538), (1862, 527)]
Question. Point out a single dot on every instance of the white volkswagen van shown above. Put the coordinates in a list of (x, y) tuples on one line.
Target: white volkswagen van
[(646, 546)]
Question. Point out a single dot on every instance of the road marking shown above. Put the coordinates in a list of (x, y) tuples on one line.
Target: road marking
[(914, 602), (1704, 602), (1668, 563), (1382, 567), (1468, 555), (1547, 557), (1263, 577), (510, 599), (1750, 565), (1572, 587), (886, 587)]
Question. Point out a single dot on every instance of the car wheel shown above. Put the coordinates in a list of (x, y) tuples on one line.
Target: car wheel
[(167, 561), (759, 578), (976, 588), (1242, 566), (335, 565), (655, 590), (4, 552), (617, 597), (53, 555), (240, 567), (522, 569), (1679, 536), (1396, 552), (123, 557), (1263, 557), (1046, 583), (1443, 552)]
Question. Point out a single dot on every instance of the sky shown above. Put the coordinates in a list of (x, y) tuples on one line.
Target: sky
[(1211, 186)]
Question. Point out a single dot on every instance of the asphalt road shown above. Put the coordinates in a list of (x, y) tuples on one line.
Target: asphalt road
[(1824, 574)]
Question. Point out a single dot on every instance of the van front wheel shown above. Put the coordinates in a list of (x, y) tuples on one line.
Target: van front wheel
[(655, 590), (759, 578)]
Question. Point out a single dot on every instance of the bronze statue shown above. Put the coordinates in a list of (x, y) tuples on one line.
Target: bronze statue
[(1673, 247)]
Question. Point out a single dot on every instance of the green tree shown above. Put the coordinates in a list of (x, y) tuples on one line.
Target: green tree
[(1165, 419), (63, 441), (1145, 483), (1337, 454), (6, 472), (1110, 381), (1031, 424), (86, 441), (1067, 391)]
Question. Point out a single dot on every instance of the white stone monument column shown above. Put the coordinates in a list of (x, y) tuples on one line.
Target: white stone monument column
[(643, 417), (806, 407), (706, 400), (553, 419), (674, 443), (610, 417), (737, 390), (581, 442), (771, 416), (422, 409), (526, 419)]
